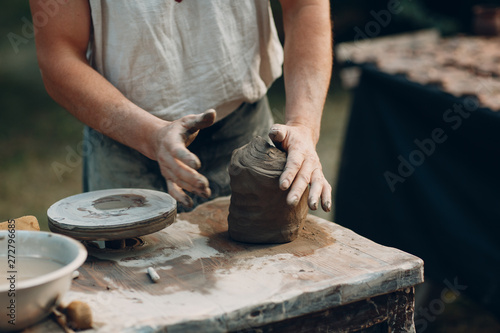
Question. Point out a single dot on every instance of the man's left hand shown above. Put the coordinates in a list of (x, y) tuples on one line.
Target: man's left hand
[(303, 167)]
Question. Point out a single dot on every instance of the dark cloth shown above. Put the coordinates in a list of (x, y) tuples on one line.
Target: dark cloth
[(109, 164), (445, 205)]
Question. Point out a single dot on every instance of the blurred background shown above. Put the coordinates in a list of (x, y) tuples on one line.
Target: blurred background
[(40, 143)]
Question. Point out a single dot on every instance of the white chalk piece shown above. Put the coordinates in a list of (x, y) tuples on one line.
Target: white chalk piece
[(153, 275)]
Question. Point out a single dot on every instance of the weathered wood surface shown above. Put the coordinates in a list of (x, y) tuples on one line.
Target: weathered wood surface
[(384, 313), (212, 284), (461, 65)]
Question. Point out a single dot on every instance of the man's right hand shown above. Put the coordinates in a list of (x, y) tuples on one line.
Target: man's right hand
[(177, 164)]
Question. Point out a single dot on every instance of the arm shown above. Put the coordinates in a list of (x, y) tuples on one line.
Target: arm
[(69, 79), (307, 72)]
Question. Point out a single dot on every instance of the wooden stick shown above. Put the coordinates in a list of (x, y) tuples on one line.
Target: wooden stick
[(60, 318)]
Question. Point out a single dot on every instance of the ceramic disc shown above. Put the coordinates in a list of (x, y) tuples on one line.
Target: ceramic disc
[(112, 214)]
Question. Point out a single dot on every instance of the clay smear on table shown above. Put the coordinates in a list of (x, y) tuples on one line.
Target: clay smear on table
[(258, 212)]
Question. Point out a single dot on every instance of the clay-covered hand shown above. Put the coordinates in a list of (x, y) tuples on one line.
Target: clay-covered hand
[(177, 164), (303, 167)]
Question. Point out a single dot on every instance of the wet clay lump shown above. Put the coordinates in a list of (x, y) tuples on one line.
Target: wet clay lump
[(258, 212)]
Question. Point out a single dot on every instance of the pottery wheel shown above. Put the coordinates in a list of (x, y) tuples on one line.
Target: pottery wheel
[(112, 214)]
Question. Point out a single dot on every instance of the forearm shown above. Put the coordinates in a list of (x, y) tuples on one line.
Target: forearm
[(308, 62), (96, 102)]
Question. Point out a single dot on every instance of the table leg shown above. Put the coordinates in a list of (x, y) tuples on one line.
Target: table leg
[(402, 309)]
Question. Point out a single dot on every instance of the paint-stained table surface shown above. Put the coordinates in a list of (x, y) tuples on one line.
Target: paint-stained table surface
[(209, 283)]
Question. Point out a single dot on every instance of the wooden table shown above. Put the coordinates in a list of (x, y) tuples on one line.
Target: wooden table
[(329, 279)]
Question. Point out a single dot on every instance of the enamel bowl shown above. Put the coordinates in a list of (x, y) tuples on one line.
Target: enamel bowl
[(36, 270)]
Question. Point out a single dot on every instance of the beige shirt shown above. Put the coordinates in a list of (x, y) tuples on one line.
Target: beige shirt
[(176, 58)]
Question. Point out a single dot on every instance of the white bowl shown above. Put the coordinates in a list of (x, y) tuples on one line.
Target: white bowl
[(43, 264)]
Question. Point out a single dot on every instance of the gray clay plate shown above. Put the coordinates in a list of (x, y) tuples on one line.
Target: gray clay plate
[(112, 214)]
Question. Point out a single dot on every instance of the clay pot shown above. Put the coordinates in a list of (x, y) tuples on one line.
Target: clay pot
[(258, 212)]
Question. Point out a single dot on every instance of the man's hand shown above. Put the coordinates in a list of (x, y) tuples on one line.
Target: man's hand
[(303, 167), (177, 164)]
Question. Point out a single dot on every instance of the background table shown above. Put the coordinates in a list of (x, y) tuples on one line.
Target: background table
[(447, 210), (328, 279)]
